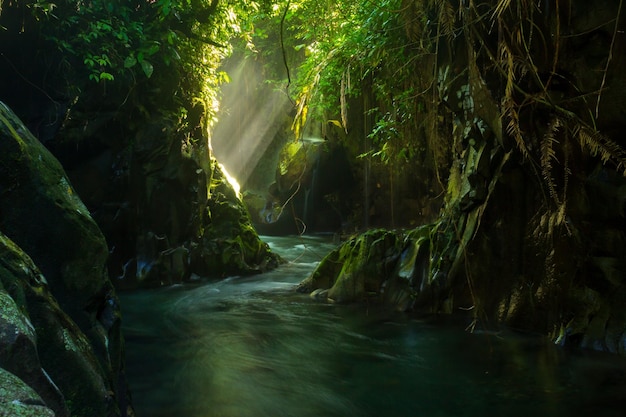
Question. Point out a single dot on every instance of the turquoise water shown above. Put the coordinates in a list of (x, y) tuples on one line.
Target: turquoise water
[(252, 347)]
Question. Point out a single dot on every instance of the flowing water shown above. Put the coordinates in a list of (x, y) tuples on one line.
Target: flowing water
[(251, 347)]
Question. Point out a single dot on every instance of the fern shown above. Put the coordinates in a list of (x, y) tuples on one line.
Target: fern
[(548, 154), (513, 129), (524, 8), (447, 18), (600, 145)]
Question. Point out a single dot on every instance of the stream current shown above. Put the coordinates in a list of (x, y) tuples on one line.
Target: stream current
[(252, 347)]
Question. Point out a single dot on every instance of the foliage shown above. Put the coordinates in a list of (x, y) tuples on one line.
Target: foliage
[(367, 51), (402, 57), (432, 76), (138, 47)]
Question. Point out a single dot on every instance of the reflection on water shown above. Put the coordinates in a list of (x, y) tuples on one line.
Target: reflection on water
[(251, 347)]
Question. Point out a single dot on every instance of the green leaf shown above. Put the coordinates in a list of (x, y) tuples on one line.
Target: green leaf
[(147, 68), (171, 37), (154, 48), (130, 62), (106, 76), (223, 77)]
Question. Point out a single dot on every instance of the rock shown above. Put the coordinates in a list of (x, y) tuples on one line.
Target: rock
[(411, 277), (356, 270), (42, 214), (18, 346), (392, 268), (43, 346), (228, 244), (319, 294), (161, 206), (19, 400)]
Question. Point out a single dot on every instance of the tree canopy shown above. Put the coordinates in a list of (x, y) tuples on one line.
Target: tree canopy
[(418, 67)]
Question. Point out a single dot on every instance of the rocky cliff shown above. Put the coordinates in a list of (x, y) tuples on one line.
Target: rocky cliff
[(60, 316), (531, 233)]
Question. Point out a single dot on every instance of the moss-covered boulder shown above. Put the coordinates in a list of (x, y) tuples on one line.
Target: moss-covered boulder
[(379, 266), (228, 244), (357, 269), (19, 400), (41, 213), (43, 346), (18, 341)]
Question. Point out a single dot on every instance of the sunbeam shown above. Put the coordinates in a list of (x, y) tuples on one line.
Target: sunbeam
[(248, 121)]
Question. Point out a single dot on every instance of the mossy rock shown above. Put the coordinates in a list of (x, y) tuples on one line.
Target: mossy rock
[(36, 335), (41, 213), (357, 269), (17, 399), (229, 244)]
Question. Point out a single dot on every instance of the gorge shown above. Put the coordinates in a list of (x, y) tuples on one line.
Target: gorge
[(438, 185)]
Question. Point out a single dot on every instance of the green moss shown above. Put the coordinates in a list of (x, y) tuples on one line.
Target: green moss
[(12, 318), (357, 269), (18, 399)]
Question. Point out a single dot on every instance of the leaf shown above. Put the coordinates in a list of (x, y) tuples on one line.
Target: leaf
[(106, 76), (153, 49), (171, 37), (223, 77), (130, 62), (147, 68), (548, 154)]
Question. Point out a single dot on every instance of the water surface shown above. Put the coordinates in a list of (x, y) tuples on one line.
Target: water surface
[(251, 347)]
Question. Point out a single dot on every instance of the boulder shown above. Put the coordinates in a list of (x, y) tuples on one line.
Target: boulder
[(157, 200), (18, 399), (391, 268), (41, 214), (39, 342), (228, 244)]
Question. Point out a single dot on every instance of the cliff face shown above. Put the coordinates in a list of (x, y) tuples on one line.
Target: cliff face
[(56, 293), (531, 233), (541, 222)]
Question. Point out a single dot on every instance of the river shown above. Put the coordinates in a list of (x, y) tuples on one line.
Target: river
[(251, 347)]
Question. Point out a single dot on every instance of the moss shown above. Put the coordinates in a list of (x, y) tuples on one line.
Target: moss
[(229, 243), (12, 320), (42, 216), (356, 270), (19, 400)]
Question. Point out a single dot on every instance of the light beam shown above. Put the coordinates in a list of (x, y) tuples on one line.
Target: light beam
[(248, 120)]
